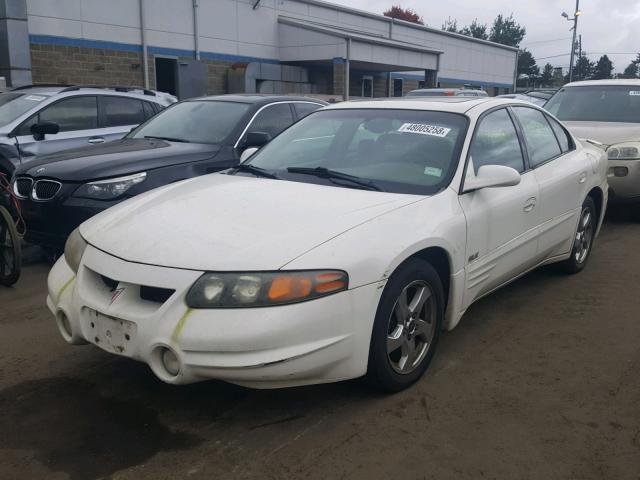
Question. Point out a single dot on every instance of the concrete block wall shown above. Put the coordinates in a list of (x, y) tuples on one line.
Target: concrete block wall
[(85, 66)]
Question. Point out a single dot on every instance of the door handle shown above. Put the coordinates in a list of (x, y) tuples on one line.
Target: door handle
[(529, 204), (583, 177), (94, 140)]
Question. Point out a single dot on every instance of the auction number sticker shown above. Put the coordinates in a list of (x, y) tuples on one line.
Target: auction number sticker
[(634, 93), (34, 98), (424, 129)]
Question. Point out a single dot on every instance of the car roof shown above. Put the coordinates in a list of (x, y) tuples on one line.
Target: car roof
[(257, 98), (614, 82), (442, 104), (127, 91)]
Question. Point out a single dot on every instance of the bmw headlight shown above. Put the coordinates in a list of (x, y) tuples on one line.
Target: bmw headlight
[(109, 189), (74, 249), (264, 289), (624, 151)]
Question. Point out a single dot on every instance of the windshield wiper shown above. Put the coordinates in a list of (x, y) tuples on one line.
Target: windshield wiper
[(168, 139), (323, 172), (257, 171)]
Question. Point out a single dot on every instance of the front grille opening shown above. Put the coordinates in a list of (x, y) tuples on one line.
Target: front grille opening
[(23, 187), (151, 294), (109, 282), (155, 294), (46, 189)]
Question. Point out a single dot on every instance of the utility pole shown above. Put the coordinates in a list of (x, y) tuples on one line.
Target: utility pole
[(573, 41), (580, 57)]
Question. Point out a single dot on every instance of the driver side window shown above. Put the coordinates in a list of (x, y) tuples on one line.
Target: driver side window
[(496, 142)]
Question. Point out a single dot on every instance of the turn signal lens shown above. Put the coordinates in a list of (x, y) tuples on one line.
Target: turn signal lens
[(330, 282), (263, 289)]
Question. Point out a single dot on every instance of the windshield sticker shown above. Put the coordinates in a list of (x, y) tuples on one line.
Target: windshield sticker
[(424, 129), (34, 98), (634, 93), (433, 171)]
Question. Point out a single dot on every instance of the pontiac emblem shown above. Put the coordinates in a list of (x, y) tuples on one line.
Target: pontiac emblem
[(116, 294)]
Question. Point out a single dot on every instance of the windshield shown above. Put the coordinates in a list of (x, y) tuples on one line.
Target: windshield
[(597, 103), (403, 151), (194, 121), (13, 105)]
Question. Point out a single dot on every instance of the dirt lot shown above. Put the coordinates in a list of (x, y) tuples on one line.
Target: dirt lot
[(539, 381)]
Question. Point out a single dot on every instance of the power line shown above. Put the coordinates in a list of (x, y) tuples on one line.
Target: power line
[(587, 54), (547, 41)]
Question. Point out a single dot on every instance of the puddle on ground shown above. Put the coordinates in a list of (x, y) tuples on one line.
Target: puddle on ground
[(71, 427)]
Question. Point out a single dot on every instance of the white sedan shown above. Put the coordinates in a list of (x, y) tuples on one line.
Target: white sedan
[(340, 249)]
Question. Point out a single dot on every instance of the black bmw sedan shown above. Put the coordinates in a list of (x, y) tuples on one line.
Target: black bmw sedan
[(195, 137)]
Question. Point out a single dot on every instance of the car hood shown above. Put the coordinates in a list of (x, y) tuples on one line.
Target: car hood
[(229, 222), (606, 132), (114, 159)]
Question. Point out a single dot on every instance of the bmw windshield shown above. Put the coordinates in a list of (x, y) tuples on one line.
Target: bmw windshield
[(402, 151), (597, 103), (198, 121), (14, 104)]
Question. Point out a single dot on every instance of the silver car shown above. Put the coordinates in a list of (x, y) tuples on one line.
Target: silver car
[(37, 120), (607, 111)]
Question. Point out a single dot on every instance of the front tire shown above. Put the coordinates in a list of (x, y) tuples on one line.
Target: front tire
[(407, 326), (583, 240)]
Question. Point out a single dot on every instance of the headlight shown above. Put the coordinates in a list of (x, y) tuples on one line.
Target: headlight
[(624, 151), (264, 289), (109, 189), (73, 249)]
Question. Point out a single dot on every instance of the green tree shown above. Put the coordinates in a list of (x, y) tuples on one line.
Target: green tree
[(583, 69), (507, 31), (450, 25), (476, 30), (603, 68), (406, 14), (633, 69), (527, 64), (547, 75)]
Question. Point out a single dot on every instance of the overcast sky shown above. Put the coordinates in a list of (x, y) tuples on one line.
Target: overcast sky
[(607, 26)]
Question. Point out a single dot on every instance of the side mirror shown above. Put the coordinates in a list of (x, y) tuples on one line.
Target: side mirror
[(256, 139), (247, 153), (492, 176), (40, 129)]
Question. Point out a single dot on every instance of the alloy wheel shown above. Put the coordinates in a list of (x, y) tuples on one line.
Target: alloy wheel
[(411, 327), (584, 236)]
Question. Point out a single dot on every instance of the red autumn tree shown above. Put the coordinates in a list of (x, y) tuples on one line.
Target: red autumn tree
[(406, 14)]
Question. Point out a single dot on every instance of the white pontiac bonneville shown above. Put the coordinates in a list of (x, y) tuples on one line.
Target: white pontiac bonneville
[(340, 249)]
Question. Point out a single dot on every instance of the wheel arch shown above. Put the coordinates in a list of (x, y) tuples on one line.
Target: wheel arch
[(597, 195)]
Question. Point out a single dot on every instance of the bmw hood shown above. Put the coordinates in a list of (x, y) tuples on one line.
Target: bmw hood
[(226, 222), (115, 159), (606, 132)]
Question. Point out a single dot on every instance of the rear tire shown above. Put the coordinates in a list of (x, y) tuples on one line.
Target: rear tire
[(407, 326), (10, 250), (583, 240)]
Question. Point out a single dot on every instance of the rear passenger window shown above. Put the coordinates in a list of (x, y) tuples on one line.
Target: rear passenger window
[(542, 144), (148, 110), (119, 111), (304, 109), (566, 143), (496, 142), (273, 119)]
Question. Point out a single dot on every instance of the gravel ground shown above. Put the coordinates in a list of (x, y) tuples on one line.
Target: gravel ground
[(539, 381)]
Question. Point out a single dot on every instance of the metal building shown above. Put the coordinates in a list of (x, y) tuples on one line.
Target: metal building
[(191, 47)]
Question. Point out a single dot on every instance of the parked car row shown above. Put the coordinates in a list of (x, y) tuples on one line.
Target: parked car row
[(334, 241), (191, 138)]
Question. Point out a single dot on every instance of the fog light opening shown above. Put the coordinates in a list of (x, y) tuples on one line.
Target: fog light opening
[(170, 362), (64, 326)]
